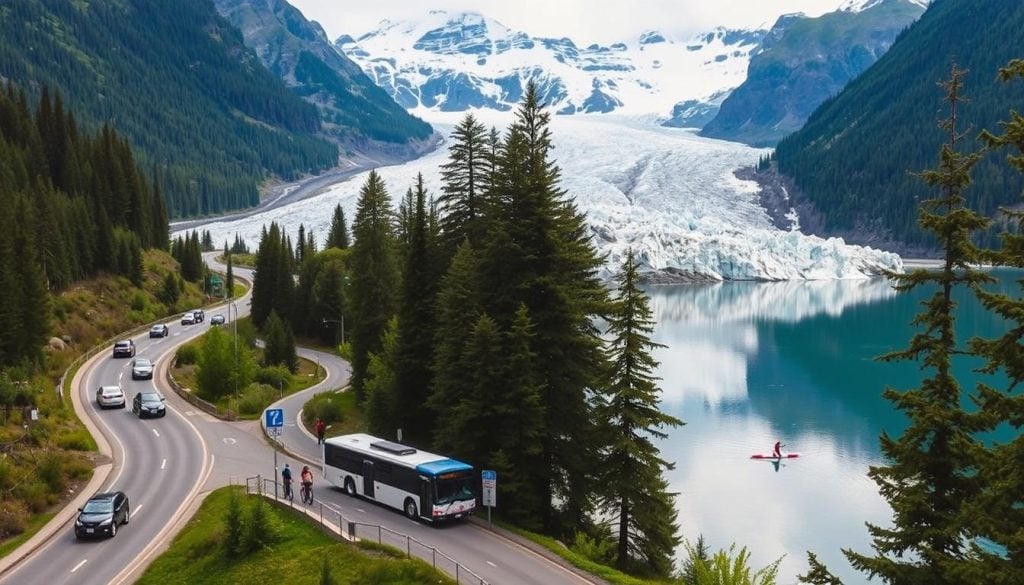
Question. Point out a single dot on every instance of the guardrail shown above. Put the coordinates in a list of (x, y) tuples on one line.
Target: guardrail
[(351, 530)]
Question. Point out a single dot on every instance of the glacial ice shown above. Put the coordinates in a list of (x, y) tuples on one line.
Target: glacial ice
[(666, 193)]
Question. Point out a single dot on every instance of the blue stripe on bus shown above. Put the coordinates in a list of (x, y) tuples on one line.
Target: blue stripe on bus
[(443, 466)]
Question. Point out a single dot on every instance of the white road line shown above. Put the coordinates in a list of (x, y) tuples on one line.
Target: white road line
[(163, 464), (492, 564), (79, 565), (136, 511), (156, 433)]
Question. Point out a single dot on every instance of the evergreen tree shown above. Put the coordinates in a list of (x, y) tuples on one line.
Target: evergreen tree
[(998, 513), (632, 490), (416, 331), (539, 254), (280, 344), (381, 402), (300, 245), (273, 284), (337, 237), (229, 281), (170, 292), (375, 275), (931, 469), (329, 298), (465, 183)]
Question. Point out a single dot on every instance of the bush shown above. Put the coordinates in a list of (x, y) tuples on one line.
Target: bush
[(599, 550), (78, 440), (51, 471), (260, 529), (13, 518), (138, 301), (325, 406), (255, 398), (233, 527), (275, 376), (188, 354)]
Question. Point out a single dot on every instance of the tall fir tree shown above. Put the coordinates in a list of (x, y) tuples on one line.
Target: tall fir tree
[(998, 513), (539, 254), (229, 280), (382, 405), (931, 469), (280, 344), (633, 492), (465, 184), (420, 282), (375, 275), (337, 236)]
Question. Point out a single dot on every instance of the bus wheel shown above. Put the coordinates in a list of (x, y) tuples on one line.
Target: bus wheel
[(350, 487), (410, 509)]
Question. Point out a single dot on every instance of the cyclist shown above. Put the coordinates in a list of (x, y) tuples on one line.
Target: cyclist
[(286, 479), (307, 484)]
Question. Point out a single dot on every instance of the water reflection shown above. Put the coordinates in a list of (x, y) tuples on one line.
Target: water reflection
[(747, 364)]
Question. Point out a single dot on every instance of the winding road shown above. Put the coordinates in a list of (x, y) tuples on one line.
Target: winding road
[(167, 465)]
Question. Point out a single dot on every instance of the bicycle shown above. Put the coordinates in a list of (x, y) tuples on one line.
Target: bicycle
[(306, 493)]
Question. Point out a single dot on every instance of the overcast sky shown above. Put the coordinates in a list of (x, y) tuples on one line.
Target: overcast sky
[(584, 21)]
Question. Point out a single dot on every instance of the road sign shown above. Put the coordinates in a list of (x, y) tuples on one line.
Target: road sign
[(490, 488), (273, 418)]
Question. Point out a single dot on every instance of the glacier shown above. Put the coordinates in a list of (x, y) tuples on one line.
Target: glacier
[(667, 193)]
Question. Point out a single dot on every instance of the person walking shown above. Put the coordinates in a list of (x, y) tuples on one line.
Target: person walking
[(286, 479), (320, 428)]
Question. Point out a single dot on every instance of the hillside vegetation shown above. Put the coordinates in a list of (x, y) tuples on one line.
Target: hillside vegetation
[(854, 158), (179, 82)]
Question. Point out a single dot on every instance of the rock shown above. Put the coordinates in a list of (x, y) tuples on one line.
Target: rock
[(56, 344)]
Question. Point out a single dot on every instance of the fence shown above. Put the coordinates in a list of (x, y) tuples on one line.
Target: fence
[(334, 522)]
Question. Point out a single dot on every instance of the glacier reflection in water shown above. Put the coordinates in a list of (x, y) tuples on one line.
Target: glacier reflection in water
[(748, 363)]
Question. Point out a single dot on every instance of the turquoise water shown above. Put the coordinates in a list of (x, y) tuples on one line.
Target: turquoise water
[(751, 363)]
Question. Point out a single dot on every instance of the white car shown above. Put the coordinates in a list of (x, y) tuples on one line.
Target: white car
[(110, 397), (188, 318)]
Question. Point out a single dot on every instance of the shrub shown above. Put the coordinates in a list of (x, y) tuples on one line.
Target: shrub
[(275, 376), (51, 471), (260, 529), (325, 406), (13, 518), (188, 354), (233, 526), (599, 550), (78, 440), (138, 301), (255, 398)]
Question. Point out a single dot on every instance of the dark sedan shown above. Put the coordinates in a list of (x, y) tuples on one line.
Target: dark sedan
[(102, 514), (142, 369), (159, 330), (149, 404)]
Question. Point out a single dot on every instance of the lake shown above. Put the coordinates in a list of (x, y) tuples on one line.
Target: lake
[(747, 364)]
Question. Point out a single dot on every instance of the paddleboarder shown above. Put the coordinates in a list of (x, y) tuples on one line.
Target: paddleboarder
[(777, 451)]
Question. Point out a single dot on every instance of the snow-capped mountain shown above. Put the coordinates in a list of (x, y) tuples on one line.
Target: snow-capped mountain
[(455, 61)]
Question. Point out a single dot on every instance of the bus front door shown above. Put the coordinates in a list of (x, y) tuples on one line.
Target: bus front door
[(426, 498), (368, 490)]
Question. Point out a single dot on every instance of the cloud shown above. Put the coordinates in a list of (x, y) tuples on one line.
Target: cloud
[(584, 21)]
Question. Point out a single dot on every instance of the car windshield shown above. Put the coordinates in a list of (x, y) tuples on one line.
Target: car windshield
[(141, 363), (98, 507), (121, 344), (150, 397), (455, 490), (158, 327)]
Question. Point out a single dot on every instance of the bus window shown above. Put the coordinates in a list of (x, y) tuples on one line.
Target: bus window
[(455, 489)]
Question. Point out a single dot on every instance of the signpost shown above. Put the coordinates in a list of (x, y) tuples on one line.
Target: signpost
[(273, 421), (490, 490)]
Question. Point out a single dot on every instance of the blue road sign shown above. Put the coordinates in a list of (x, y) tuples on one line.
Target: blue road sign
[(487, 474), (274, 417)]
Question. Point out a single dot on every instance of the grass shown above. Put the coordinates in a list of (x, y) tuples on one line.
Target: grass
[(32, 526), (296, 555)]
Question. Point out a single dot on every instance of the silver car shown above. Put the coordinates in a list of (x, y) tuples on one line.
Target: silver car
[(142, 369), (188, 318), (110, 397)]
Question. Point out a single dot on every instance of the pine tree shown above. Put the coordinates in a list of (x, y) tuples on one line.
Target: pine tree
[(465, 184), (381, 401), (415, 346), (229, 281), (998, 513), (632, 490), (930, 474), (337, 237), (273, 284), (280, 344), (375, 275)]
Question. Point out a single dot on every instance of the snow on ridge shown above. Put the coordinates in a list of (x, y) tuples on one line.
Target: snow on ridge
[(861, 5), (666, 193)]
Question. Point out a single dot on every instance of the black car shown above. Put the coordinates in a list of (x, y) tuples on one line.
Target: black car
[(102, 514), (124, 348), (149, 404), (159, 330)]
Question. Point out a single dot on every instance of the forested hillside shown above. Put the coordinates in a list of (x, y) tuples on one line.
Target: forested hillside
[(854, 157), (73, 204), (178, 81), (353, 108)]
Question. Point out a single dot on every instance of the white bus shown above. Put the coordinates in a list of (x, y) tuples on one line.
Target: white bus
[(421, 484)]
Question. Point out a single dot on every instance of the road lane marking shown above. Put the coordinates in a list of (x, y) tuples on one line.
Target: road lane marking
[(492, 564), (189, 413), (136, 511), (163, 464), (229, 441), (156, 433), (79, 565)]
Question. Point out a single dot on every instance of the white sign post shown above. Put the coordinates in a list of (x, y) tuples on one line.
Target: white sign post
[(273, 422), (490, 491)]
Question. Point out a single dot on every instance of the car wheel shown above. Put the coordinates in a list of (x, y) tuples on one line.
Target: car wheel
[(122, 405), (127, 514), (410, 509), (350, 487), (113, 529), (163, 414)]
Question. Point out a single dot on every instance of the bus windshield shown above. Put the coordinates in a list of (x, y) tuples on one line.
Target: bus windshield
[(454, 488)]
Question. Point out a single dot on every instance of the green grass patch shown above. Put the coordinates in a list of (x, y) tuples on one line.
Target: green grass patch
[(34, 524), (296, 553), (340, 411)]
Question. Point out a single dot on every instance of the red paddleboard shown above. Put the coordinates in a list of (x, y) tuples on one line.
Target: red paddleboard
[(770, 456)]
